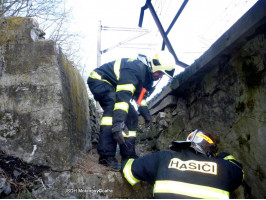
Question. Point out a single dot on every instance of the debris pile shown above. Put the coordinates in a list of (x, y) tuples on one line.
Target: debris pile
[(17, 178)]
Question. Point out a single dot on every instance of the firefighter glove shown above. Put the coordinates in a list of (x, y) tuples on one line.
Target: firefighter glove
[(148, 121), (144, 111), (118, 129)]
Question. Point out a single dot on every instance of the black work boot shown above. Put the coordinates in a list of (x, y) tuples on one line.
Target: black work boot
[(125, 158), (109, 161)]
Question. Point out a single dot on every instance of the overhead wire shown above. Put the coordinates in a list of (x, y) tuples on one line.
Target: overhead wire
[(224, 16), (220, 23)]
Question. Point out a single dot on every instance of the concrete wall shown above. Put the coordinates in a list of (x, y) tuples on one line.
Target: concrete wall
[(223, 93), (44, 116)]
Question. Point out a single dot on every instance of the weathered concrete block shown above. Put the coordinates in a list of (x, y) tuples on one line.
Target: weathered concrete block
[(168, 101), (44, 115)]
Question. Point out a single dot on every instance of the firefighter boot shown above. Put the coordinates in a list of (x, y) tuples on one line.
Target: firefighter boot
[(109, 161)]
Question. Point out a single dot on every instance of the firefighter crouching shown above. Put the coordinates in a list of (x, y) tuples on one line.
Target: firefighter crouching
[(192, 169), (114, 85)]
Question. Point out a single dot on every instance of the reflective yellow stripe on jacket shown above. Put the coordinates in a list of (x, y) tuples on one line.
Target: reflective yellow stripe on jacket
[(128, 173), (143, 102), (117, 68), (107, 121), (122, 106), (128, 87), (130, 134), (191, 190), (97, 76), (230, 158)]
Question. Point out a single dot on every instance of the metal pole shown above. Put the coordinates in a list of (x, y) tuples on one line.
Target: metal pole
[(174, 20), (98, 107), (165, 38), (99, 45)]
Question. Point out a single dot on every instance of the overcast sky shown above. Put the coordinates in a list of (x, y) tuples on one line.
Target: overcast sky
[(201, 23)]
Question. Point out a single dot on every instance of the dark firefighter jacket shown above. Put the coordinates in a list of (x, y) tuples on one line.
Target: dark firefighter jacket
[(185, 174), (128, 77)]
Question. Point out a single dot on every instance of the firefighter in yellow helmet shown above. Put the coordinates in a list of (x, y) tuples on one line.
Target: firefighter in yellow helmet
[(160, 62), (191, 169), (114, 85)]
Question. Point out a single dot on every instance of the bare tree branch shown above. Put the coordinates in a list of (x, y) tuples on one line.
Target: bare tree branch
[(53, 18)]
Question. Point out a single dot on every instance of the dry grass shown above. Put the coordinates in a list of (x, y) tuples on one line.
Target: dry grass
[(88, 164)]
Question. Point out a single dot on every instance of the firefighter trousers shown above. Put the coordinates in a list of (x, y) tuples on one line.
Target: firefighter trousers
[(105, 94)]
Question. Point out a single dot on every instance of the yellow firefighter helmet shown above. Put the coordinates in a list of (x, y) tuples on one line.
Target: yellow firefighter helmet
[(163, 61)]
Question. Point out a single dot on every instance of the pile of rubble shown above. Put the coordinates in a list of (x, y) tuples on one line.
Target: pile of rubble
[(17, 178)]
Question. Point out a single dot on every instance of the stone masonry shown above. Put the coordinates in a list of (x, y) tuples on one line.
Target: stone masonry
[(224, 93)]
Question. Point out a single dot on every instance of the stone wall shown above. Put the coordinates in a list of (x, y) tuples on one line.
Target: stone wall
[(223, 93), (44, 115)]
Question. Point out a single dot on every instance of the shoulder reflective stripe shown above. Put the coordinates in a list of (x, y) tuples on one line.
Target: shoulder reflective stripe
[(130, 60), (191, 190), (95, 75), (117, 68), (122, 106), (130, 134), (129, 87), (128, 173), (107, 121), (230, 157), (143, 103), (239, 167)]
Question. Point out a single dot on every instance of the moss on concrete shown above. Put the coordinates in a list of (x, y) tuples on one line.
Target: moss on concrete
[(8, 27), (240, 107), (76, 92), (252, 76)]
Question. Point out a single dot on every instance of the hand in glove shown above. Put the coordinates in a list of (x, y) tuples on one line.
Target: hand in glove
[(144, 111), (117, 130), (148, 121)]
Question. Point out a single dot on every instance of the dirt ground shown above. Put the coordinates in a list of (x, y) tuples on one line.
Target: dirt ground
[(19, 176)]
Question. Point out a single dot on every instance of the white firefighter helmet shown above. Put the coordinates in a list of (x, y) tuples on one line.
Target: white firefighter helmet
[(163, 61), (200, 141)]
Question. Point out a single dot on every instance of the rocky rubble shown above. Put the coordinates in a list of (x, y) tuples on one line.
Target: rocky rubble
[(17, 178), (87, 180)]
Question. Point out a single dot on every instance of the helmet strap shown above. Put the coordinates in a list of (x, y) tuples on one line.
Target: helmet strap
[(149, 66), (153, 87), (158, 82)]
